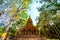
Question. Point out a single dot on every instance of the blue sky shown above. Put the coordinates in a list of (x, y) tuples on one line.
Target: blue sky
[(33, 12)]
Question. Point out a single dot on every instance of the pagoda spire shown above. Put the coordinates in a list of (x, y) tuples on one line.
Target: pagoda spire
[(29, 22)]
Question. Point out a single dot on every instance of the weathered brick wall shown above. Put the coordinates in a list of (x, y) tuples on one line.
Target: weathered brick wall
[(29, 39)]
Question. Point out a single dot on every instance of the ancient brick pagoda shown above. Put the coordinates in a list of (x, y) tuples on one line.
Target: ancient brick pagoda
[(29, 32)]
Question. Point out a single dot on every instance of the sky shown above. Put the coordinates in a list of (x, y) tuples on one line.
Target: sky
[(33, 12)]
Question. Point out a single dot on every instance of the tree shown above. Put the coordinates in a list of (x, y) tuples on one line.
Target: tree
[(23, 5), (48, 19), (1, 1), (19, 23)]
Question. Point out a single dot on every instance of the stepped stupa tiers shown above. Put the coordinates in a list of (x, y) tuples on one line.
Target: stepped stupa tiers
[(28, 32)]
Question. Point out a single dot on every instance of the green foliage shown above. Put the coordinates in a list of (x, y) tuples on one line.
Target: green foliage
[(18, 23), (1, 1), (26, 3), (1, 30), (48, 21), (50, 5), (21, 18)]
